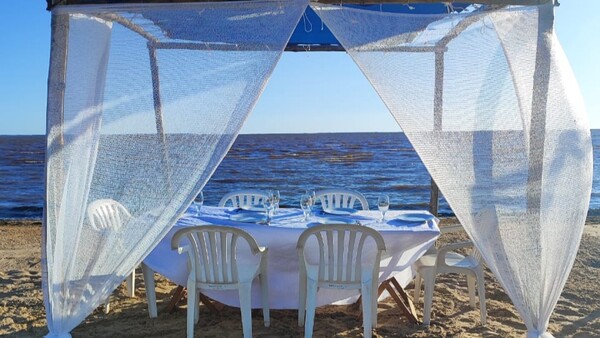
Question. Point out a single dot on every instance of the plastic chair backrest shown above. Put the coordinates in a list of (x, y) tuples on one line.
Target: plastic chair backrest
[(243, 198), (107, 214), (341, 251), (341, 198), (213, 251)]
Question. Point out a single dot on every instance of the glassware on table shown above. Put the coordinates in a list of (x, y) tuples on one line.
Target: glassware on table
[(276, 199), (383, 204), (197, 203), (305, 204), (312, 199), (269, 205)]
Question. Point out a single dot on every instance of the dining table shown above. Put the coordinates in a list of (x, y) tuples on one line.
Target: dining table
[(408, 234)]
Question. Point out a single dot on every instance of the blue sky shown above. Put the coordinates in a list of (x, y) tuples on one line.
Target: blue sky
[(308, 92)]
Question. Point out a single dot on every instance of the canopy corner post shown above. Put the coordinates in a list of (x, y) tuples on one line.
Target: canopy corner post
[(434, 198), (158, 114), (55, 106), (541, 82)]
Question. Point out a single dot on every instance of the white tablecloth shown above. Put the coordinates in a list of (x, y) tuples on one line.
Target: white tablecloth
[(405, 243)]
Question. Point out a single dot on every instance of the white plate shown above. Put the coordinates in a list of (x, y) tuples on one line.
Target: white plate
[(248, 218), (336, 220), (340, 211), (415, 217)]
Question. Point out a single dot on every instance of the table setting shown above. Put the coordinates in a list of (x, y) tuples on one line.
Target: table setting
[(407, 234)]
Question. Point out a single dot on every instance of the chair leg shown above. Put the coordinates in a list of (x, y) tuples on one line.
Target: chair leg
[(197, 308), (130, 284), (417, 291), (481, 292), (264, 284), (374, 298), (429, 279), (107, 305), (471, 288), (191, 307), (245, 291), (367, 306), (302, 298), (311, 304), (148, 276)]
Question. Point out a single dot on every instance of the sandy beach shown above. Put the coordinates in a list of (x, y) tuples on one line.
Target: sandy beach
[(22, 311)]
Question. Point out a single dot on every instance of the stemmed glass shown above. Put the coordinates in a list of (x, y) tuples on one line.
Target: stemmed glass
[(276, 199), (197, 203), (305, 204), (269, 204), (383, 204), (312, 199)]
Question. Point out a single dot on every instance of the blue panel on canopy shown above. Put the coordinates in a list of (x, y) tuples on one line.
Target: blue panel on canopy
[(311, 31)]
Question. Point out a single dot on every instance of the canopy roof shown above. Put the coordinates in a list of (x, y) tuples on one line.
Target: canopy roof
[(311, 34)]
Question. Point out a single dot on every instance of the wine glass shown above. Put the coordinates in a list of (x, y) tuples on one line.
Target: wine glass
[(269, 204), (305, 204), (197, 203), (276, 199), (383, 204), (312, 199)]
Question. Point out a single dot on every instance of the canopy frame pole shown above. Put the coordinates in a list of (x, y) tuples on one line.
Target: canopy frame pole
[(112, 17), (438, 111), (158, 114), (537, 128), (438, 104), (57, 77)]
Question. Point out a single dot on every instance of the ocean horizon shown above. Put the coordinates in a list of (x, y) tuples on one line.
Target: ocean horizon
[(373, 163)]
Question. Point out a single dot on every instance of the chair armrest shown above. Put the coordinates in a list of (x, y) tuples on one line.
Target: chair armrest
[(183, 249), (441, 255)]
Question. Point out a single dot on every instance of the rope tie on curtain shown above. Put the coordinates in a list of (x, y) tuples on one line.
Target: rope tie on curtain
[(539, 334), (307, 24), (58, 335)]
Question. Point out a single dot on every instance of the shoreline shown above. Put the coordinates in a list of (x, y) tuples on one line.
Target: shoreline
[(22, 311)]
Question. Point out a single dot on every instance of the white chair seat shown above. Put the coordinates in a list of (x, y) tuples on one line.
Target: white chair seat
[(453, 259), (312, 273), (340, 266), (213, 261), (447, 261), (108, 215), (243, 198), (341, 198)]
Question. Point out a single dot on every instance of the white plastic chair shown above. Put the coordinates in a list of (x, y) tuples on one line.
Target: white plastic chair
[(243, 198), (212, 260), (448, 261), (110, 215), (341, 265), (341, 198)]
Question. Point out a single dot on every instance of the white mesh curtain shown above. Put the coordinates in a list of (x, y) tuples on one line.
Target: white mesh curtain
[(490, 104), (144, 102)]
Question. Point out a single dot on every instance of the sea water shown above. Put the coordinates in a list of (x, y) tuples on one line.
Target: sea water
[(372, 163)]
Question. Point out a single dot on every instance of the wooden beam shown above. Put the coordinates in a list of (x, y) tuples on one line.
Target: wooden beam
[(405, 304)]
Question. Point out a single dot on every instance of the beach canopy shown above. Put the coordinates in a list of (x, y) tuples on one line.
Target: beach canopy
[(144, 101)]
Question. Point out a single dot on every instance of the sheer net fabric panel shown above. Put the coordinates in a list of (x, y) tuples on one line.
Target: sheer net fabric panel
[(490, 103), (154, 96)]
